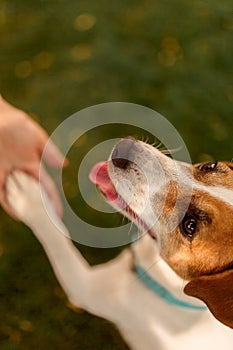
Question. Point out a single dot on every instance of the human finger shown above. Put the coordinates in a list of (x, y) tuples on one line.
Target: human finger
[(52, 156), (49, 186), (51, 190)]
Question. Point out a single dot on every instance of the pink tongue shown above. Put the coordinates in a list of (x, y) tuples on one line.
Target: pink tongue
[(99, 176)]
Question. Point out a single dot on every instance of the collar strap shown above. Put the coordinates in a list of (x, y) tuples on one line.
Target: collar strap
[(162, 292)]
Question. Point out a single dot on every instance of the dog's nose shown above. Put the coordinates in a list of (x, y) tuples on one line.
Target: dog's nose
[(122, 153)]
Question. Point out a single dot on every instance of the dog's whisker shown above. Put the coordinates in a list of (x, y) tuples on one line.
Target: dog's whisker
[(123, 219), (170, 151), (130, 228)]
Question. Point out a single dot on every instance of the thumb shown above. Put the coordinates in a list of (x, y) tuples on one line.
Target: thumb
[(53, 157)]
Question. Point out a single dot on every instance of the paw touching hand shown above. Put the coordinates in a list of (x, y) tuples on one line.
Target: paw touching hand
[(25, 197), (22, 143)]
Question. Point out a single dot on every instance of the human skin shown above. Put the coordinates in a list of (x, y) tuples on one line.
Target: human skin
[(22, 143)]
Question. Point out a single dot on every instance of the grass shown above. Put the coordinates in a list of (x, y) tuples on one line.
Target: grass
[(58, 57)]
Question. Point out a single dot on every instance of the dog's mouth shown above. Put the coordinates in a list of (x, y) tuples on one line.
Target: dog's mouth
[(100, 177)]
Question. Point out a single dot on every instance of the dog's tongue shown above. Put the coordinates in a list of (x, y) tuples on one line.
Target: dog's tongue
[(99, 176)]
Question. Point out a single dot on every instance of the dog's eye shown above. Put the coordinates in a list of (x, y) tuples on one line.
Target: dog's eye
[(188, 226), (206, 167)]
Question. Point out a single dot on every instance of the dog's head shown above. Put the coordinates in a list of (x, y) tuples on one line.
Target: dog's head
[(187, 209)]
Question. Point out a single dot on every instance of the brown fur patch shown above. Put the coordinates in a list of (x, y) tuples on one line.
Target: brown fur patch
[(211, 249), (221, 176), (171, 197)]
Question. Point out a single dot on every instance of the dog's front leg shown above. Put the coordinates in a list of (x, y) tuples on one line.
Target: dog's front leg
[(89, 288), (70, 267)]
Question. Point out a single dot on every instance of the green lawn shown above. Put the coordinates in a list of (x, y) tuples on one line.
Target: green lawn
[(57, 57)]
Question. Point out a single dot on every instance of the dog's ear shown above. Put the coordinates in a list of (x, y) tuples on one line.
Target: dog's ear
[(217, 292), (230, 164)]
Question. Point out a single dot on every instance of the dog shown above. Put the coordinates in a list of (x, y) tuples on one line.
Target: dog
[(172, 289)]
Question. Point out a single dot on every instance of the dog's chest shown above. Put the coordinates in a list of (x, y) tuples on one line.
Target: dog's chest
[(147, 321), (148, 328)]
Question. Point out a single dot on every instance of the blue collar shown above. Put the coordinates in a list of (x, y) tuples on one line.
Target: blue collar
[(161, 291)]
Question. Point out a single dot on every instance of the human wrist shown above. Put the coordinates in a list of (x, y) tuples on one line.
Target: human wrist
[(10, 114)]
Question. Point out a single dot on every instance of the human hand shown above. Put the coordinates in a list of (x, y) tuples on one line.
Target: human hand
[(22, 142)]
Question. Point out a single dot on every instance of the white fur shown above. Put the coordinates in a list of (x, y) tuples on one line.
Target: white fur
[(219, 192), (113, 290)]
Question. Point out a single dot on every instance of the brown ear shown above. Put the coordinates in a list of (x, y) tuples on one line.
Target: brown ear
[(230, 164), (217, 292)]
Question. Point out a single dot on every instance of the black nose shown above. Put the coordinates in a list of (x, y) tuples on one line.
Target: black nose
[(122, 153)]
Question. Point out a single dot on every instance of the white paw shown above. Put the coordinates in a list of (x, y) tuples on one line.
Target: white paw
[(24, 196), (32, 205)]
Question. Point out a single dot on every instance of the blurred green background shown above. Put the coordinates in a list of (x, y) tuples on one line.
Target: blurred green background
[(57, 57)]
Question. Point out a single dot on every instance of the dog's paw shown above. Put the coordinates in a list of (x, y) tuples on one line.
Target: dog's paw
[(24, 196), (32, 205)]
